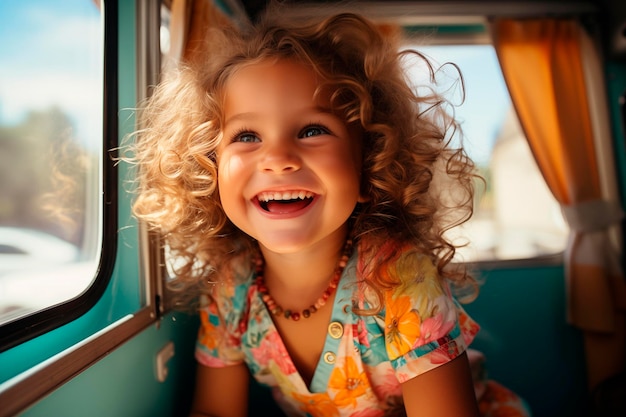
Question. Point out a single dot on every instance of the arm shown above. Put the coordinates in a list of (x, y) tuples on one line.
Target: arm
[(444, 391), (221, 392)]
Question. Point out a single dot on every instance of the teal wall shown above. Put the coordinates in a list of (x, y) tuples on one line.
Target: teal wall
[(528, 345), (124, 383)]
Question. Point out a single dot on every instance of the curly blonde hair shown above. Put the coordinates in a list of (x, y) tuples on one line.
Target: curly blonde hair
[(405, 139)]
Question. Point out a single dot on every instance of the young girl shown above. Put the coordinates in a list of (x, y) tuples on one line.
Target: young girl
[(305, 189)]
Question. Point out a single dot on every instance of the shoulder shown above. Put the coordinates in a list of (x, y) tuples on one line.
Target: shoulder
[(422, 324), (222, 313), (228, 300), (419, 309), (232, 292), (410, 268), (398, 269), (376, 256)]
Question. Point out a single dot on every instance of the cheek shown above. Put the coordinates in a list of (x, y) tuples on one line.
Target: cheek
[(348, 179), (230, 169), (230, 182)]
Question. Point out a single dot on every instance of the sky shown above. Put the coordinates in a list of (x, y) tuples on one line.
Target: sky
[(51, 55)]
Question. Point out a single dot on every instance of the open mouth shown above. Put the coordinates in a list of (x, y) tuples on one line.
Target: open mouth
[(285, 202)]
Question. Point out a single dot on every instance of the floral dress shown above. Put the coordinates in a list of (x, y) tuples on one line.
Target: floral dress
[(364, 359)]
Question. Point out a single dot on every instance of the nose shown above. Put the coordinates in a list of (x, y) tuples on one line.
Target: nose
[(280, 158)]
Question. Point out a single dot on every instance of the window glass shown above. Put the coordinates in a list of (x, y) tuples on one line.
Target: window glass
[(516, 216), (51, 77)]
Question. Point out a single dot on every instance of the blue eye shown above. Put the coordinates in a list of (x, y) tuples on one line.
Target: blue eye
[(311, 131), (246, 137)]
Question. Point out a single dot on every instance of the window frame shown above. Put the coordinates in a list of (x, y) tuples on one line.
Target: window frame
[(30, 326)]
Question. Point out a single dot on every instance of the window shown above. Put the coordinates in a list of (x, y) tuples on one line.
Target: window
[(51, 141), (516, 216)]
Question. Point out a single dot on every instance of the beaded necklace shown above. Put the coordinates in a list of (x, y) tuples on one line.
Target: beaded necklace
[(277, 310)]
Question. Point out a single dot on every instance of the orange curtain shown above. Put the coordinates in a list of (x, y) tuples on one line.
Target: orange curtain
[(543, 65)]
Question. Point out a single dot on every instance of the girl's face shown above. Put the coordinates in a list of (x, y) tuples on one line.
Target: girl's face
[(288, 168)]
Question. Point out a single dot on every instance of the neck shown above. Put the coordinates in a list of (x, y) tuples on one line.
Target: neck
[(303, 270), (302, 276)]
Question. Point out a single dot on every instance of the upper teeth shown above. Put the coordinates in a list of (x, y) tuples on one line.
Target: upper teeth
[(286, 195)]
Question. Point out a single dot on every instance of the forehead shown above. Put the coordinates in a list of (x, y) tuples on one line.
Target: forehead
[(276, 81), (279, 67)]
